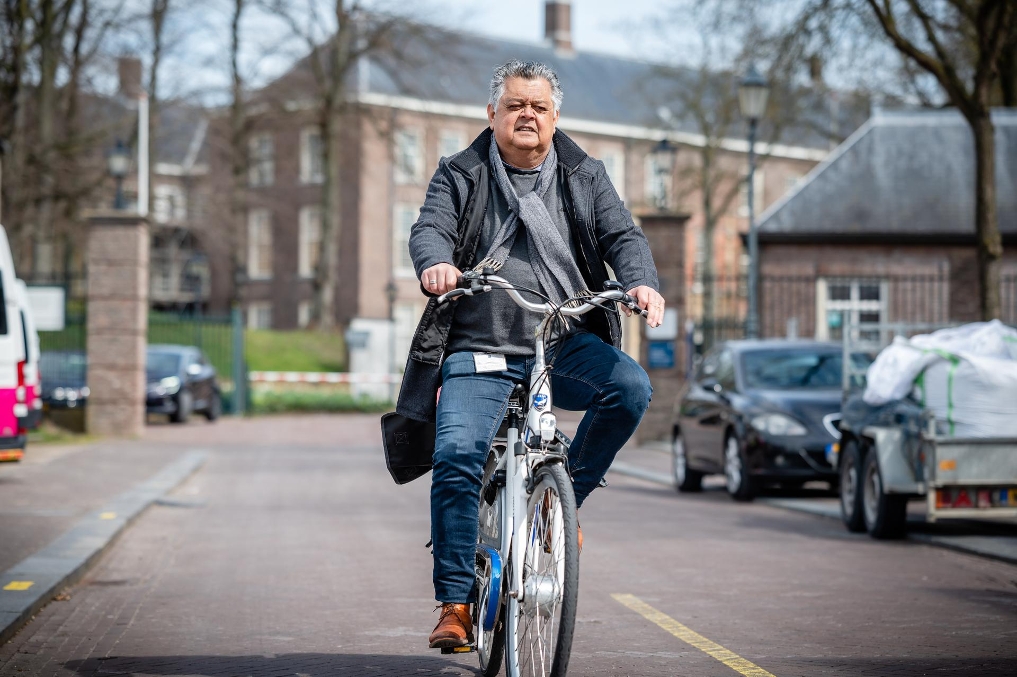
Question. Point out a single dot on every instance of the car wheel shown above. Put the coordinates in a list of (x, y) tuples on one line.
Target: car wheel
[(684, 478), (851, 511), (885, 514), (736, 470), (214, 410), (185, 403)]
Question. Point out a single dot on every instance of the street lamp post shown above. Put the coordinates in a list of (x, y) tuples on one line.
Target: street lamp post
[(753, 92), (391, 291), (118, 163), (663, 161)]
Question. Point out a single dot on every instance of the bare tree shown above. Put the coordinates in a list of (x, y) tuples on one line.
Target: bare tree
[(355, 34), (238, 145), (990, 23)]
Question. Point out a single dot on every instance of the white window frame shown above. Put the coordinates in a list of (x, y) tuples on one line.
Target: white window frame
[(450, 142), (306, 226), (614, 163), (261, 160), (258, 220), (169, 203), (758, 184), (309, 173), (303, 314), (259, 315), (404, 215), (851, 308), (408, 144)]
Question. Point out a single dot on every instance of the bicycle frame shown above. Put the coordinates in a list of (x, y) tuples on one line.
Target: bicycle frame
[(525, 453)]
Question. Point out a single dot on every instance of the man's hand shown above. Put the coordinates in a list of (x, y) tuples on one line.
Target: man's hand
[(650, 301), (440, 278)]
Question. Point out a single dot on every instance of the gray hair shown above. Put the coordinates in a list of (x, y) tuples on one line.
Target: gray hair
[(528, 70)]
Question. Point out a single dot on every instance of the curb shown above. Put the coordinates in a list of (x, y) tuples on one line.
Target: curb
[(981, 546), (31, 583)]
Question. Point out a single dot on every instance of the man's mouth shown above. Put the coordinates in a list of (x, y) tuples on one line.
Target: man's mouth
[(526, 128)]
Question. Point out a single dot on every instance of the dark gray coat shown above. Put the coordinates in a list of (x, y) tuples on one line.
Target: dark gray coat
[(448, 231)]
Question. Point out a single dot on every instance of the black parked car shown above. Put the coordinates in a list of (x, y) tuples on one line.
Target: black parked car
[(181, 381), (63, 379), (759, 412)]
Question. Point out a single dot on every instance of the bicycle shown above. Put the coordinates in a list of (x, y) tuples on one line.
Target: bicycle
[(527, 551)]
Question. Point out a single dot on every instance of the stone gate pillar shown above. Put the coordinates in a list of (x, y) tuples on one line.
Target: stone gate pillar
[(664, 358), (117, 264)]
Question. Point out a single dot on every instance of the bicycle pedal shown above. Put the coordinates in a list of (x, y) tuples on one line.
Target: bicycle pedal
[(459, 649)]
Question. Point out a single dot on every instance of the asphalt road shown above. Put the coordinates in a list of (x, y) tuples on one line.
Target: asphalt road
[(292, 553)]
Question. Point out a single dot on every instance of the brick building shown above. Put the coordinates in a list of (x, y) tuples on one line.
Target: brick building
[(404, 117), (883, 230)]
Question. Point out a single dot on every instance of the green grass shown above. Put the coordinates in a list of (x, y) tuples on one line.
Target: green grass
[(275, 402), (269, 350)]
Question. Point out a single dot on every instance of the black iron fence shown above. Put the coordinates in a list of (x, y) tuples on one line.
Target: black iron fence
[(810, 306)]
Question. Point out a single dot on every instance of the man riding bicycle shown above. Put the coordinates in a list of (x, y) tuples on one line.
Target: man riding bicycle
[(525, 200)]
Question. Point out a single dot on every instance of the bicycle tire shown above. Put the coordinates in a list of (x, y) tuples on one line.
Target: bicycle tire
[(538, 646), (490, 645)]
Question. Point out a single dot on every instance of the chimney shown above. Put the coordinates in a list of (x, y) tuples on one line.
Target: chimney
[(558, 24), (129, 72)]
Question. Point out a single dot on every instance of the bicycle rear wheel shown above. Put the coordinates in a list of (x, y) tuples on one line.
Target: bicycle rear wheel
[(539, 628)]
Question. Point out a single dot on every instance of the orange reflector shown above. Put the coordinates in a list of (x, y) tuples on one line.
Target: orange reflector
[(948, 464), (11, 455)]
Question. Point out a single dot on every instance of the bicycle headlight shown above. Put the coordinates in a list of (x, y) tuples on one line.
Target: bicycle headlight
[(779, 425), (548, 423)]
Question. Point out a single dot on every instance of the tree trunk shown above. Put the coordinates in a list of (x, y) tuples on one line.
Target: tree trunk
[(990, 244), (49, 43), (327, 273), (238, 155), (709, 225), (160, 8)]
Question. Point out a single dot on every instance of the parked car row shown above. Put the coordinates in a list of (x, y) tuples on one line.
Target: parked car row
[(760, 412), (180, 382)]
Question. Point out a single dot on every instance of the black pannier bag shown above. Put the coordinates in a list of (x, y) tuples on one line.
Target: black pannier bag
[(409, 446)]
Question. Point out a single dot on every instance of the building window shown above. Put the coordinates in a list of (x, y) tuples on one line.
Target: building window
[(168, 203), (757, 196), (310, 240), (409, 157), (261, 167), (303, 314), (312, 156), (657, 183), (843, 301), (259, 315), (450, 142), (259, 244), (614, 163), (405, 215)]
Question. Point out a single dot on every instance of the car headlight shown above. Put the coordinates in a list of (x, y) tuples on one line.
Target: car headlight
[(171, 384), (778, 425), (85, 392), (58, 393)]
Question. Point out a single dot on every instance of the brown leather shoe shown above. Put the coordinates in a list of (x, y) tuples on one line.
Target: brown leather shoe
[(455, 627)]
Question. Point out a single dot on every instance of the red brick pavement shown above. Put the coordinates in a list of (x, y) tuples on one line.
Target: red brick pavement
[(293, 553)]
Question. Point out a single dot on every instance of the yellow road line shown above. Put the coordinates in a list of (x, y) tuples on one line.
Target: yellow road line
[(710, 648), (18, 585), (107, 516)]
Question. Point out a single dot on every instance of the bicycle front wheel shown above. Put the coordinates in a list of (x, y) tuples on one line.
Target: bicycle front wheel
[(540, 626)]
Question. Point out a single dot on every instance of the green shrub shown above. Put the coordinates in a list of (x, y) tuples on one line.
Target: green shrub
[(274, 402)]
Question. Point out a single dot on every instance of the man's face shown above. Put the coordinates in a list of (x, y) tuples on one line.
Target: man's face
[(525, 117)]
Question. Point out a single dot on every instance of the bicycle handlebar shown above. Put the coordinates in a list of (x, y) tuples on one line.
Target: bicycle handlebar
[(471, 284)]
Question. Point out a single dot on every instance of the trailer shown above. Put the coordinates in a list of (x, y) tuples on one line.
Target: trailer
[(899, 454)]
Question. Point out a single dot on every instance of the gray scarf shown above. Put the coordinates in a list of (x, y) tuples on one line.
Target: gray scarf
[(550, 255)]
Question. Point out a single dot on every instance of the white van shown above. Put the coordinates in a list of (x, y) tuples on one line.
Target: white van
[(28, 396), (13, 359)]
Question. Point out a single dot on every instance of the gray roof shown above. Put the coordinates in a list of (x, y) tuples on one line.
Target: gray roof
[(902, 174), (453, 67)]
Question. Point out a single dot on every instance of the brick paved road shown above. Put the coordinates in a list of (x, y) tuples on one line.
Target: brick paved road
[(292, 553)]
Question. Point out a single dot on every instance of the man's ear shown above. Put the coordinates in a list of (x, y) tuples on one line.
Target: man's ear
[(490, 116)]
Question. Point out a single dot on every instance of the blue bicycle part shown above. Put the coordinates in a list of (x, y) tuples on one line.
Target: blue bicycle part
[(494, 589)]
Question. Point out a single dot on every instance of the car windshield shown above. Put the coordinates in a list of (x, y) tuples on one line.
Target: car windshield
[(62, 369), (161, 365), (792, 369)]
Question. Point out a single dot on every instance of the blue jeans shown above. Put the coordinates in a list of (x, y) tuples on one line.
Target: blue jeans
[(588, 375)]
